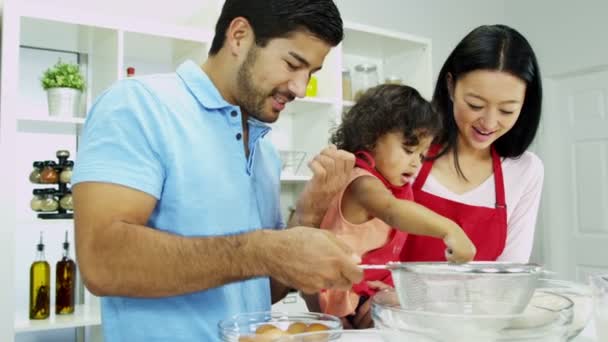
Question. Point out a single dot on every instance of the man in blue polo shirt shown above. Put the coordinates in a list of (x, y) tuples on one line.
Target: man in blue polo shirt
[(176, 186)]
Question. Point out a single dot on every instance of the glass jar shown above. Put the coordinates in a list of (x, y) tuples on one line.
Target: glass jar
[(347, 85), (36, 202), (365, 77), (49, 173), (49, 201), (66, 172), (36, 172), (66, 202), (394, 80)]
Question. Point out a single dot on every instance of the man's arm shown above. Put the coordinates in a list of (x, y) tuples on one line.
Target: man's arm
[(331, 170), (120, 256)]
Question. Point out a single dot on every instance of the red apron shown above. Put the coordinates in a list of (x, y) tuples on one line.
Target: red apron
[(486, 227), (392, 249)]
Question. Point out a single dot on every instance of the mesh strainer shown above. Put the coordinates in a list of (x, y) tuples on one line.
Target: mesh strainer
[(473, 288)]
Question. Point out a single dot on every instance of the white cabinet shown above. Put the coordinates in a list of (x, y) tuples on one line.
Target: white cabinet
[(105, 45)]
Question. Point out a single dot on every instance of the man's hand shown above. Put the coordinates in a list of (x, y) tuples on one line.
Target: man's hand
[(331, 171), (310, 259)]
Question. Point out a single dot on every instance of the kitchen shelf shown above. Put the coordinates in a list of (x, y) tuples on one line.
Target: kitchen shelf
[(84, 315), (363, 40), (310, 105), (52, 120)]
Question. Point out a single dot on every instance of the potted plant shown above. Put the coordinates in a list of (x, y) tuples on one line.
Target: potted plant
[(64, 85)]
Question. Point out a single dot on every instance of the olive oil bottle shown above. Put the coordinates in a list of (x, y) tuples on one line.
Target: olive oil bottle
[(65, 281), (40, 282)]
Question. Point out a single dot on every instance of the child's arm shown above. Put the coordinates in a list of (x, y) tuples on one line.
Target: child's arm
[(372, 196)]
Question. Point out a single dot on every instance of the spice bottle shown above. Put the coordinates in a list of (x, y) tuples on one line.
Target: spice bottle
[(36, 202), (49, 201), (36, 173), (66, 202), (49, 173), (40, 282), (66, 172), (65, 280)]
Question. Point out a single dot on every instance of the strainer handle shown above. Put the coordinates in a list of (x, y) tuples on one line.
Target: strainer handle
[(373, 267)]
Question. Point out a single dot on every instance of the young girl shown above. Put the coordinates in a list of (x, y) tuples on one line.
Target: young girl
[(389, 130)]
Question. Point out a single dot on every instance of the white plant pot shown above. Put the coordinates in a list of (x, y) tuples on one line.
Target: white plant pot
[(64, 102)]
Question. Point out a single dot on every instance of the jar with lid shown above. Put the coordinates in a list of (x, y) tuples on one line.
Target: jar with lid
[(394, 80), (365, 77), (36, 202), (49, 201), (66, 202), (36, 172), (347, 85), (49, 173), (66, 172)]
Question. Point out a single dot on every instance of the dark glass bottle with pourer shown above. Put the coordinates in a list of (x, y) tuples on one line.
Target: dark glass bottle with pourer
[(65, 280)]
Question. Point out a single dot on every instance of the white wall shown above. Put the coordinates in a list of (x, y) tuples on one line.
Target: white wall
[(445, 22), (567, 35)]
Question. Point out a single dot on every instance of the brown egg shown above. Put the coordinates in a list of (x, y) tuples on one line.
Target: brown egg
[(297, 328), (316, 327), (247, 339), (264, 328)]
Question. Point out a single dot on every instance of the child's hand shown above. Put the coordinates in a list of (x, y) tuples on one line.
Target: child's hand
[(459, 247)]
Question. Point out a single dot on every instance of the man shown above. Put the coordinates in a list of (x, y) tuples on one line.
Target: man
[(177, 189)]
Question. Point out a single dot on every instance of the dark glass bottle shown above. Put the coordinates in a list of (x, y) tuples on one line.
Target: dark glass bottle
[(65, 281), (40, 274)]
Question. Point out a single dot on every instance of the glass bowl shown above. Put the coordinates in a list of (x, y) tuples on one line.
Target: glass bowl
[(546, 318), (580, 294), (367, 335), (268, 325)]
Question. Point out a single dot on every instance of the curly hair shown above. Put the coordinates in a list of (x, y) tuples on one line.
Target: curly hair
[(385, 109)]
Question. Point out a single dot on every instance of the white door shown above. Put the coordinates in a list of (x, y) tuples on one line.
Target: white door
[(574, 143)]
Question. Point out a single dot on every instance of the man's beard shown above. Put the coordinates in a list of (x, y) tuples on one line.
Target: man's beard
[(250, 99)]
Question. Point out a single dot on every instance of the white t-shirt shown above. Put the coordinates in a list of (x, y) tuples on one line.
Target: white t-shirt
[(523, 180)]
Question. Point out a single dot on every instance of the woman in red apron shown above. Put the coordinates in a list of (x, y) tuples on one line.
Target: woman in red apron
[(489, 95)]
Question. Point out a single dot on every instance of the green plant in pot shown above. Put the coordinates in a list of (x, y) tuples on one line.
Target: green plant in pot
[(64, 84)]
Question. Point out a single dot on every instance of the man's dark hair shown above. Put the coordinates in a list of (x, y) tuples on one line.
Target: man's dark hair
[(279, 18)]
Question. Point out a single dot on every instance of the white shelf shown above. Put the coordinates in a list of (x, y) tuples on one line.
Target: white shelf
[(52, 119), (294, 178), (84, 315), (310, 105), (363, 40)]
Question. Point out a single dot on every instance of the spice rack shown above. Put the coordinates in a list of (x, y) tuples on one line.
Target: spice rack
[(55, 202)]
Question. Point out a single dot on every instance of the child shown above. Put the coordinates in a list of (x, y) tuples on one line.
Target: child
[(389, 130)]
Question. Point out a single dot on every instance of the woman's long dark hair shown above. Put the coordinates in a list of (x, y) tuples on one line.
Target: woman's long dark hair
[(495, 48)]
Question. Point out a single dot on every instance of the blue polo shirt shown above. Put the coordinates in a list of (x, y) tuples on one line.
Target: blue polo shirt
[(174, 137)]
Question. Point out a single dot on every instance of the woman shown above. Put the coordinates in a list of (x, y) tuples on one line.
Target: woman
[(479, 172)]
